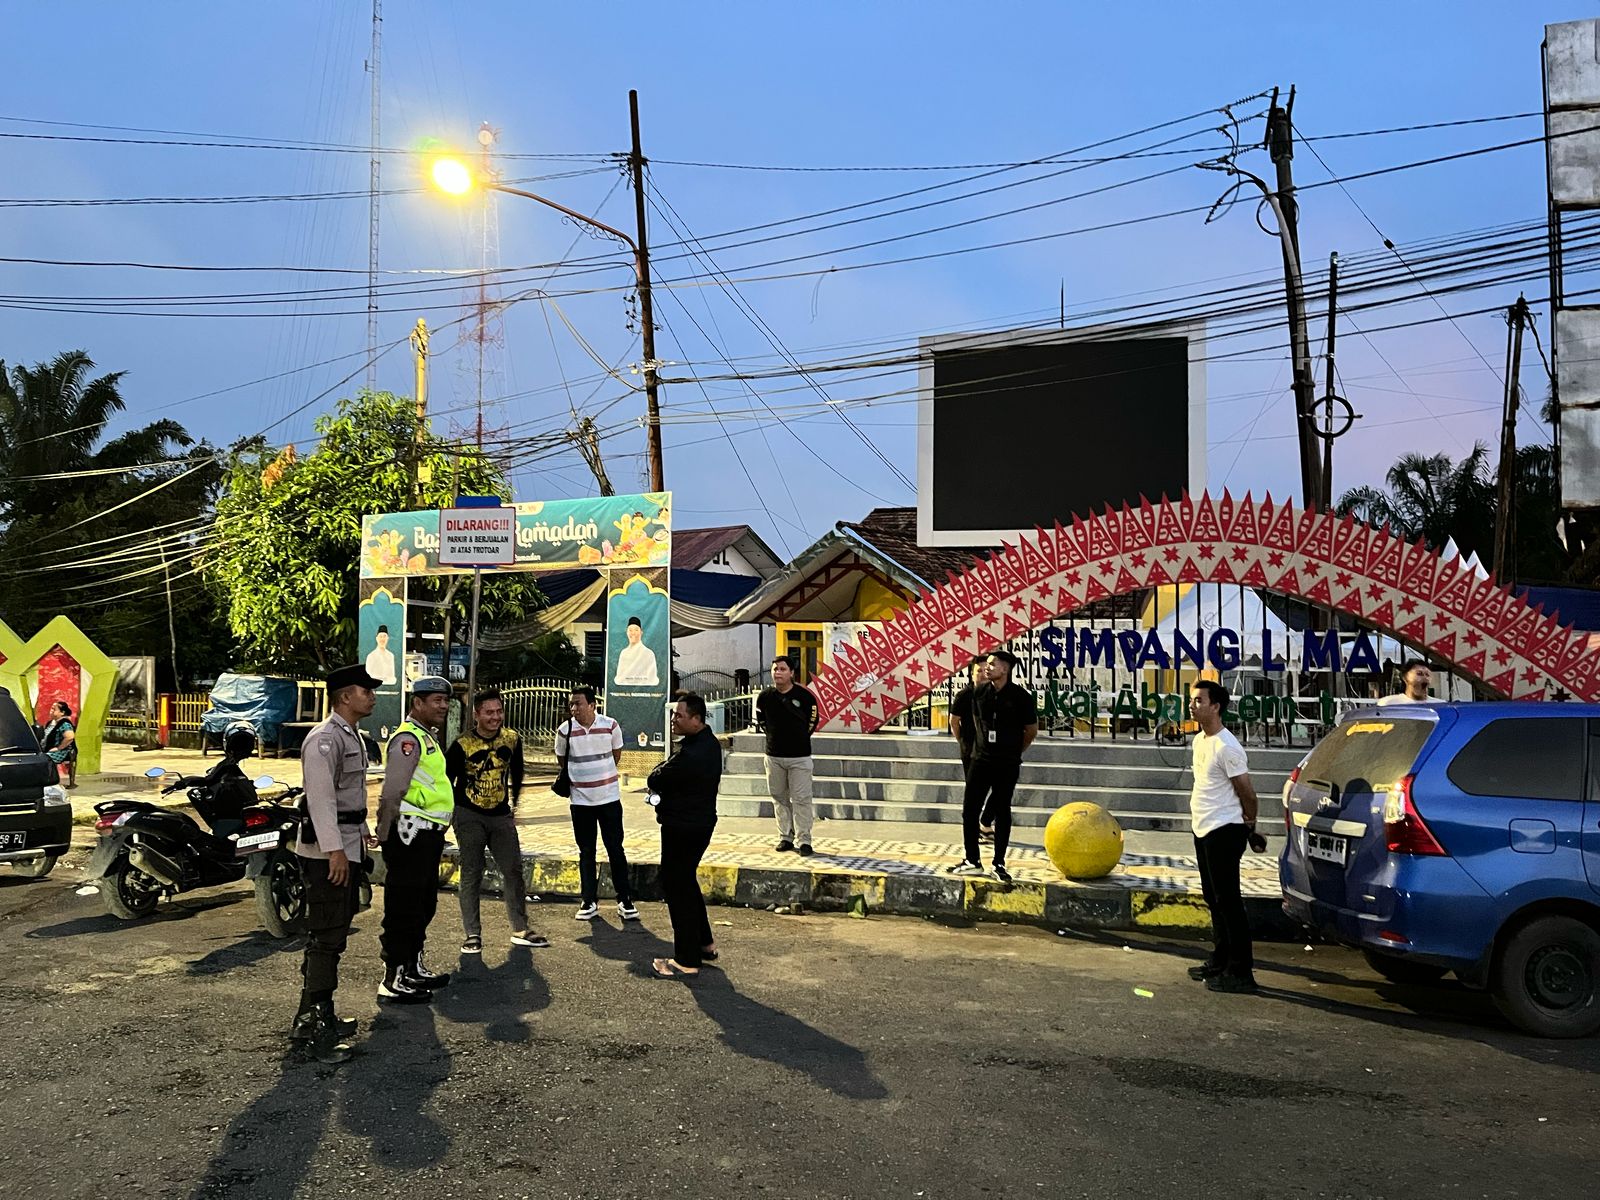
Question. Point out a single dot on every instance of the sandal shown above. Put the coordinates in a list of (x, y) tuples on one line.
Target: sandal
[(666, 968), (709, 956)]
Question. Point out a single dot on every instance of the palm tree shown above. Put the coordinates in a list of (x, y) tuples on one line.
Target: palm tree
[(52, 416), (1432, 498)]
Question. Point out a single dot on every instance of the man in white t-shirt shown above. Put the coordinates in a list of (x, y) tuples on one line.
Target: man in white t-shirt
[(1416, 677), (1222, 811), (589, 747)]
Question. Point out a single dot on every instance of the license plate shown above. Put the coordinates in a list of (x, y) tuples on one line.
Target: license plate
[(258, 841), (1327, 846), (13, 839)]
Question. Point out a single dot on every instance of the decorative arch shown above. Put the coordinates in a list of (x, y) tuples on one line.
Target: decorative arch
[(1401, 589)]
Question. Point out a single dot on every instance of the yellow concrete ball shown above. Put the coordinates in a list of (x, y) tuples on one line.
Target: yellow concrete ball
[(1083, 840)]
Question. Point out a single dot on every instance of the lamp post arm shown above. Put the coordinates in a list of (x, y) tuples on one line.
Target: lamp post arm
[(573, 213)]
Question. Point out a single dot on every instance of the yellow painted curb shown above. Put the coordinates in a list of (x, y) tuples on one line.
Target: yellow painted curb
[(843, 885), (1017, 900), (1170, 910), (718, 882), (554, 875)]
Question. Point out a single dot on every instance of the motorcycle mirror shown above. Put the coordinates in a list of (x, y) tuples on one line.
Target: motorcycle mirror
[(264, 781), (155, 772)]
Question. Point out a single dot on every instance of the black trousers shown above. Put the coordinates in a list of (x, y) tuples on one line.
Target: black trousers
[(410, 893), (329, 911), (606, 819), (990, 786), (1219, 853), (682, 847)]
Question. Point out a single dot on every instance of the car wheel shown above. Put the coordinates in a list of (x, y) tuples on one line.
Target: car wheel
[(1546, 979), (36, 868), (1403, 970)]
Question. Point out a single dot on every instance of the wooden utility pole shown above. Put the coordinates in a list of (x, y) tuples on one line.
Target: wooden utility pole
[(1280, 141), (1326, 500), (647, 331), (1505, 513)]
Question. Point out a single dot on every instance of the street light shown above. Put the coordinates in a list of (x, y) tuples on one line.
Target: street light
[(454, 177)]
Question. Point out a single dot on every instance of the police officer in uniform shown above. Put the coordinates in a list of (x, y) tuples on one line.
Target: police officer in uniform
[(413, 813), (330, 846)]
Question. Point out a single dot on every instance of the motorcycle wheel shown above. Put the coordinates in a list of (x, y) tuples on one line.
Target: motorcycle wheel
[(281, 896), (129, 893)]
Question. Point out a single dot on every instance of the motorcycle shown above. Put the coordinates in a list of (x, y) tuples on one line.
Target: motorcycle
[(267, 845)]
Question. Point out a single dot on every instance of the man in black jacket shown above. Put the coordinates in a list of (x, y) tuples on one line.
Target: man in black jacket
[(684, 792), (1005, 721)]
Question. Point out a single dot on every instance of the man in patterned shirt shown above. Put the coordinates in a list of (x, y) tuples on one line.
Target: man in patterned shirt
[(589, 748), (485, 769)]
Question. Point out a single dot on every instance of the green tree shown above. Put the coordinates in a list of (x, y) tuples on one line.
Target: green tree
[(286, 549)]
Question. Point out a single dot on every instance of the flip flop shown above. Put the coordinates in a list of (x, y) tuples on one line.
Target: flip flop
[(709, 956), (665, 968)]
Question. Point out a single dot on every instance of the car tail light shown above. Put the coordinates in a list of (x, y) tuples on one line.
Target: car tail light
[(255, 820), (1404, 830), (1288, 814), (108, 822)]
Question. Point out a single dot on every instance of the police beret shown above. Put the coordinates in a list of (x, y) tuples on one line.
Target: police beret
[(431, 685), (355, 675)]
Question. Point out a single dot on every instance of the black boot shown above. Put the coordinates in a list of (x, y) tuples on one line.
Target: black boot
[(420, 976), (304, 1024), (315, 1029), (399, 988)]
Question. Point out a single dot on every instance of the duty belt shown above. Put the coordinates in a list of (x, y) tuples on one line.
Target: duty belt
[(351, 817)]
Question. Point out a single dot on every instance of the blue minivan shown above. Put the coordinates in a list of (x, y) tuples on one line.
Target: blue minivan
[(1458, 837)]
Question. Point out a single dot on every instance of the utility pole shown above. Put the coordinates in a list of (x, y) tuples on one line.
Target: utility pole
[(587, 439), (647, 332), (172, 629), (1326, 499), (1280, 141), (372, 199), (419, 475), (1505, 515)]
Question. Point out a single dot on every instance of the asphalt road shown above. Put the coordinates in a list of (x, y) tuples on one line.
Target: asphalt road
[(833, 1057)]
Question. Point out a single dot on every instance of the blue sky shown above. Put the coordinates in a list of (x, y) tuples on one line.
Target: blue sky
[(825, 84)]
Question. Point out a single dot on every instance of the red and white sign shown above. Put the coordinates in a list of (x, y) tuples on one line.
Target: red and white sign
[(477, 537)]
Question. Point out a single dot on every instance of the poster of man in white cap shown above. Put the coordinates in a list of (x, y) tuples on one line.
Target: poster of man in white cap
[(638, 652)]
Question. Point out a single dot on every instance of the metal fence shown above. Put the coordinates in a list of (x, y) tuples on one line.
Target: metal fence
[(534, 707)]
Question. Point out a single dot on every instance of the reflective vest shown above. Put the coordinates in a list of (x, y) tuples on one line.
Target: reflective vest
[(430, 795)]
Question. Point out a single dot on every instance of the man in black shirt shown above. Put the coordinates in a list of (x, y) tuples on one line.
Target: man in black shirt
[(961, 728), (684, 792), (1005, 721), (788, 714)]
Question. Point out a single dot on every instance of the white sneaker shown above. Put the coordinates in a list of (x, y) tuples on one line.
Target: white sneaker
[(586, 912), (966, 868), (627, 911)]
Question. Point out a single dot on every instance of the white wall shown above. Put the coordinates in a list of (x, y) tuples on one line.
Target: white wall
[(741, 647), (729, 562)]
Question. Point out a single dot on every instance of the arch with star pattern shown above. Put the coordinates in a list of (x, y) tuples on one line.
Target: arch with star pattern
[(1402, 589)]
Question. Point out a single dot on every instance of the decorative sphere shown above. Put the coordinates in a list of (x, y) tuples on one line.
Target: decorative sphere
[(1083, 840)]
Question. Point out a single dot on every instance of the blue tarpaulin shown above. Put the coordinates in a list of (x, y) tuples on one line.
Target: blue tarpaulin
[(262, 700)]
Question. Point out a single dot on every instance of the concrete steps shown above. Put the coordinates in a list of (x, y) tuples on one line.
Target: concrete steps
[(880, 777)]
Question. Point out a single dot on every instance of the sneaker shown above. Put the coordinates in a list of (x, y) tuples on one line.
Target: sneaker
[(587, 911), (784, 846), (472, 944), (396, 988), (966, 868), (627, 911), (429, 979), (537, 940), (1237, 985), (533, 898), (1000, 873), (805, 850), (1204, 972)]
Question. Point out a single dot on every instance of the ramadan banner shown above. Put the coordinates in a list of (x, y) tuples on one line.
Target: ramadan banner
[(380, 646), (598, 531), (638, 656)]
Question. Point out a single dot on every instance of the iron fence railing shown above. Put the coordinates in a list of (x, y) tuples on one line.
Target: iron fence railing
[(534, 707)]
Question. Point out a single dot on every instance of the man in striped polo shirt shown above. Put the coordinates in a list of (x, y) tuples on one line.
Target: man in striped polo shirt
[(589, 747)]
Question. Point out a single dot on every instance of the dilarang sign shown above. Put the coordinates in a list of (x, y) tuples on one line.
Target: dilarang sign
[(1140, 650)]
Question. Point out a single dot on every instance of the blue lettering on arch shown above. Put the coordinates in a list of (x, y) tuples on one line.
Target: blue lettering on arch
[(1183, 648), (1362, 656), (1131, 643), (1322, 651), (1223, 649), (1096, 648), (1050, 644), (1154, 652)]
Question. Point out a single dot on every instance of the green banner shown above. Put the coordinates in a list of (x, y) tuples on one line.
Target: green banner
[(597, 531), (639, 656)]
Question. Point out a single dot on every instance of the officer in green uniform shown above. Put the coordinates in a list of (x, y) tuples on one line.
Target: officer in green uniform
[(413, 814)]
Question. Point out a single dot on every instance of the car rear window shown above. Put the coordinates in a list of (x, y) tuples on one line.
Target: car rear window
[(1528, 758), (14, 727), (1368, 753)]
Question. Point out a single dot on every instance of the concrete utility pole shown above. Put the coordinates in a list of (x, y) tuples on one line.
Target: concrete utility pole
[(647, 332), (1280, 142), (374, 172), (1505, 515), (419, 343), (1326, 500)]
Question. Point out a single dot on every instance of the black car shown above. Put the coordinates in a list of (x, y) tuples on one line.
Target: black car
[(35, 814)]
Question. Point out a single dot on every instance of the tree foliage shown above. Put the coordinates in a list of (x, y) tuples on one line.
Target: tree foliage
[(287, 542)]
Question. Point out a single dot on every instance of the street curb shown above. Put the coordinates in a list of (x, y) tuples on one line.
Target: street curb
[(1048, 905)]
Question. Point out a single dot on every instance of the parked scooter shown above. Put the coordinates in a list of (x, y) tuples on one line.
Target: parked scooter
[(267, 846)]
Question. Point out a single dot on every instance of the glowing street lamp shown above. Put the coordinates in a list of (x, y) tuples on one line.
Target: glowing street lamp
[(453, 176)]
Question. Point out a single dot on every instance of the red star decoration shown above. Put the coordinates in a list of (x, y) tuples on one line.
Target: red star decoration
[(1170, 554), (1045, 592), (1073, 579), (1207, 550), (1502, 656), (1408, 606), (1240, 554), (1107, 567), (1375, 591), (1016, 604), (1342, 579), (964, 633), (1530, 676), (1275, 558), (1138, 560), (1472, 639), (847, 718), (991, 618)]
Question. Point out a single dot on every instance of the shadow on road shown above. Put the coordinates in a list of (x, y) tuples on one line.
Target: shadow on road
[(749, 1027), (252, 949), (387, 1087), (269, 1146), (498, 998), (104, 922)]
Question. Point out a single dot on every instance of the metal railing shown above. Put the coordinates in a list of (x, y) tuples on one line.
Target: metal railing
[(534, 707)]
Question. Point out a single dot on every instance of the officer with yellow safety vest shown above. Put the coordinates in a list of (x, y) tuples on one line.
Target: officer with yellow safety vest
[(413, 814)]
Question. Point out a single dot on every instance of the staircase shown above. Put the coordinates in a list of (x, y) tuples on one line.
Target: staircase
[(900, 777)]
